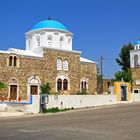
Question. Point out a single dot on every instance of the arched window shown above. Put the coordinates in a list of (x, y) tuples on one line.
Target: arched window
[(49, 41), (15, 61), (59, 64), (62, 83), (65, 65), (61, 41), (59, 84), (84, 84), (135, 60), (65, 84), (38, 40), (10, 60)]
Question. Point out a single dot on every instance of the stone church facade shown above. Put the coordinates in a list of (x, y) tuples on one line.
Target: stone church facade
[(48, 57), (135, 67)]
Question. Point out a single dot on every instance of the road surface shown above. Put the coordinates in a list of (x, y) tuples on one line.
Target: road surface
[(119, 122)]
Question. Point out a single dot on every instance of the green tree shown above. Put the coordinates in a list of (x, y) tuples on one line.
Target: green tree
[(45, 88), (124, 56), (124, 62), (123, 75)]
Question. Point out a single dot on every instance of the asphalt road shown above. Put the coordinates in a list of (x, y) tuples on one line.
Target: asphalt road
[(120, 122)]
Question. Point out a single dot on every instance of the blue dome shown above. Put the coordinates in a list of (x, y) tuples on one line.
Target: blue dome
[(137, 42), (49, 24)]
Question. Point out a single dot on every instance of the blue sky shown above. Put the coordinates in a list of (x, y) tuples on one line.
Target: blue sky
[(100, 27)]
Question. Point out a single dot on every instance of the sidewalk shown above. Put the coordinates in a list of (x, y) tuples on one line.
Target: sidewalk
[(11, 114)]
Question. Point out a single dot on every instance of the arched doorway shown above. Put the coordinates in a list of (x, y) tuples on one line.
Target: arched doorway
[(33, 85)]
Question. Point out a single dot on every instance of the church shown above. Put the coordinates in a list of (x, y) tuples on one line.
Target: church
[(48, 58), (135, 67)]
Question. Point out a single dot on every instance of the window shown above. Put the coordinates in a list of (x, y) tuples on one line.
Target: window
[(65, 65), (10, 60), (135, 60), (136, 91), (13, 61), (61, 41), (69, 40), (49, 41), (62, 83), (59, 64), (38, 40), (65, 84), (59, 84), (84, 84)]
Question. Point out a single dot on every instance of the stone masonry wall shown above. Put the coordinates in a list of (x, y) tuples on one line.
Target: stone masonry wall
[(27, 68), (45, 69), (51, 72), (135, 76), (89, 71)]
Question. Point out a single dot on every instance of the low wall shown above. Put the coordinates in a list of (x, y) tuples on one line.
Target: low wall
[(136, 97), (33, 106), (80, 101), (63, 101)]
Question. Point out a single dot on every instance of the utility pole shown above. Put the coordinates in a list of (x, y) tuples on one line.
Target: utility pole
[(101, 70)]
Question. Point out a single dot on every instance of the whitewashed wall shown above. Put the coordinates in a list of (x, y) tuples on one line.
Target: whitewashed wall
[(32, 107), (35, 106), (136, 97), (80, 101), (65, 101)]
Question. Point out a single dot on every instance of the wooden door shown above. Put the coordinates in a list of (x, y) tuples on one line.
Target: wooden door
[(34, 90), (13, 92)]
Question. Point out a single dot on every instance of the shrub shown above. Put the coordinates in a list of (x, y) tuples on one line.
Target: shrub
[(2, 85), (45, 88), (54, 110), (83, 92)]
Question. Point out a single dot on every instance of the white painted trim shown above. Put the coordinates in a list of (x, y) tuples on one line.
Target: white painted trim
[(62, 77), (62, 50), (29, 84)]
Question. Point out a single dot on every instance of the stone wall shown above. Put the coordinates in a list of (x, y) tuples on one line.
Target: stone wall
[(106, 84), (51, 72), (89, 71), (27, 68), (135, 76), (45, 69)]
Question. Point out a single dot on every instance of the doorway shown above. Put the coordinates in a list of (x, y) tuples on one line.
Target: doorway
[(34, 90), (13, 92), (123, 93)]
